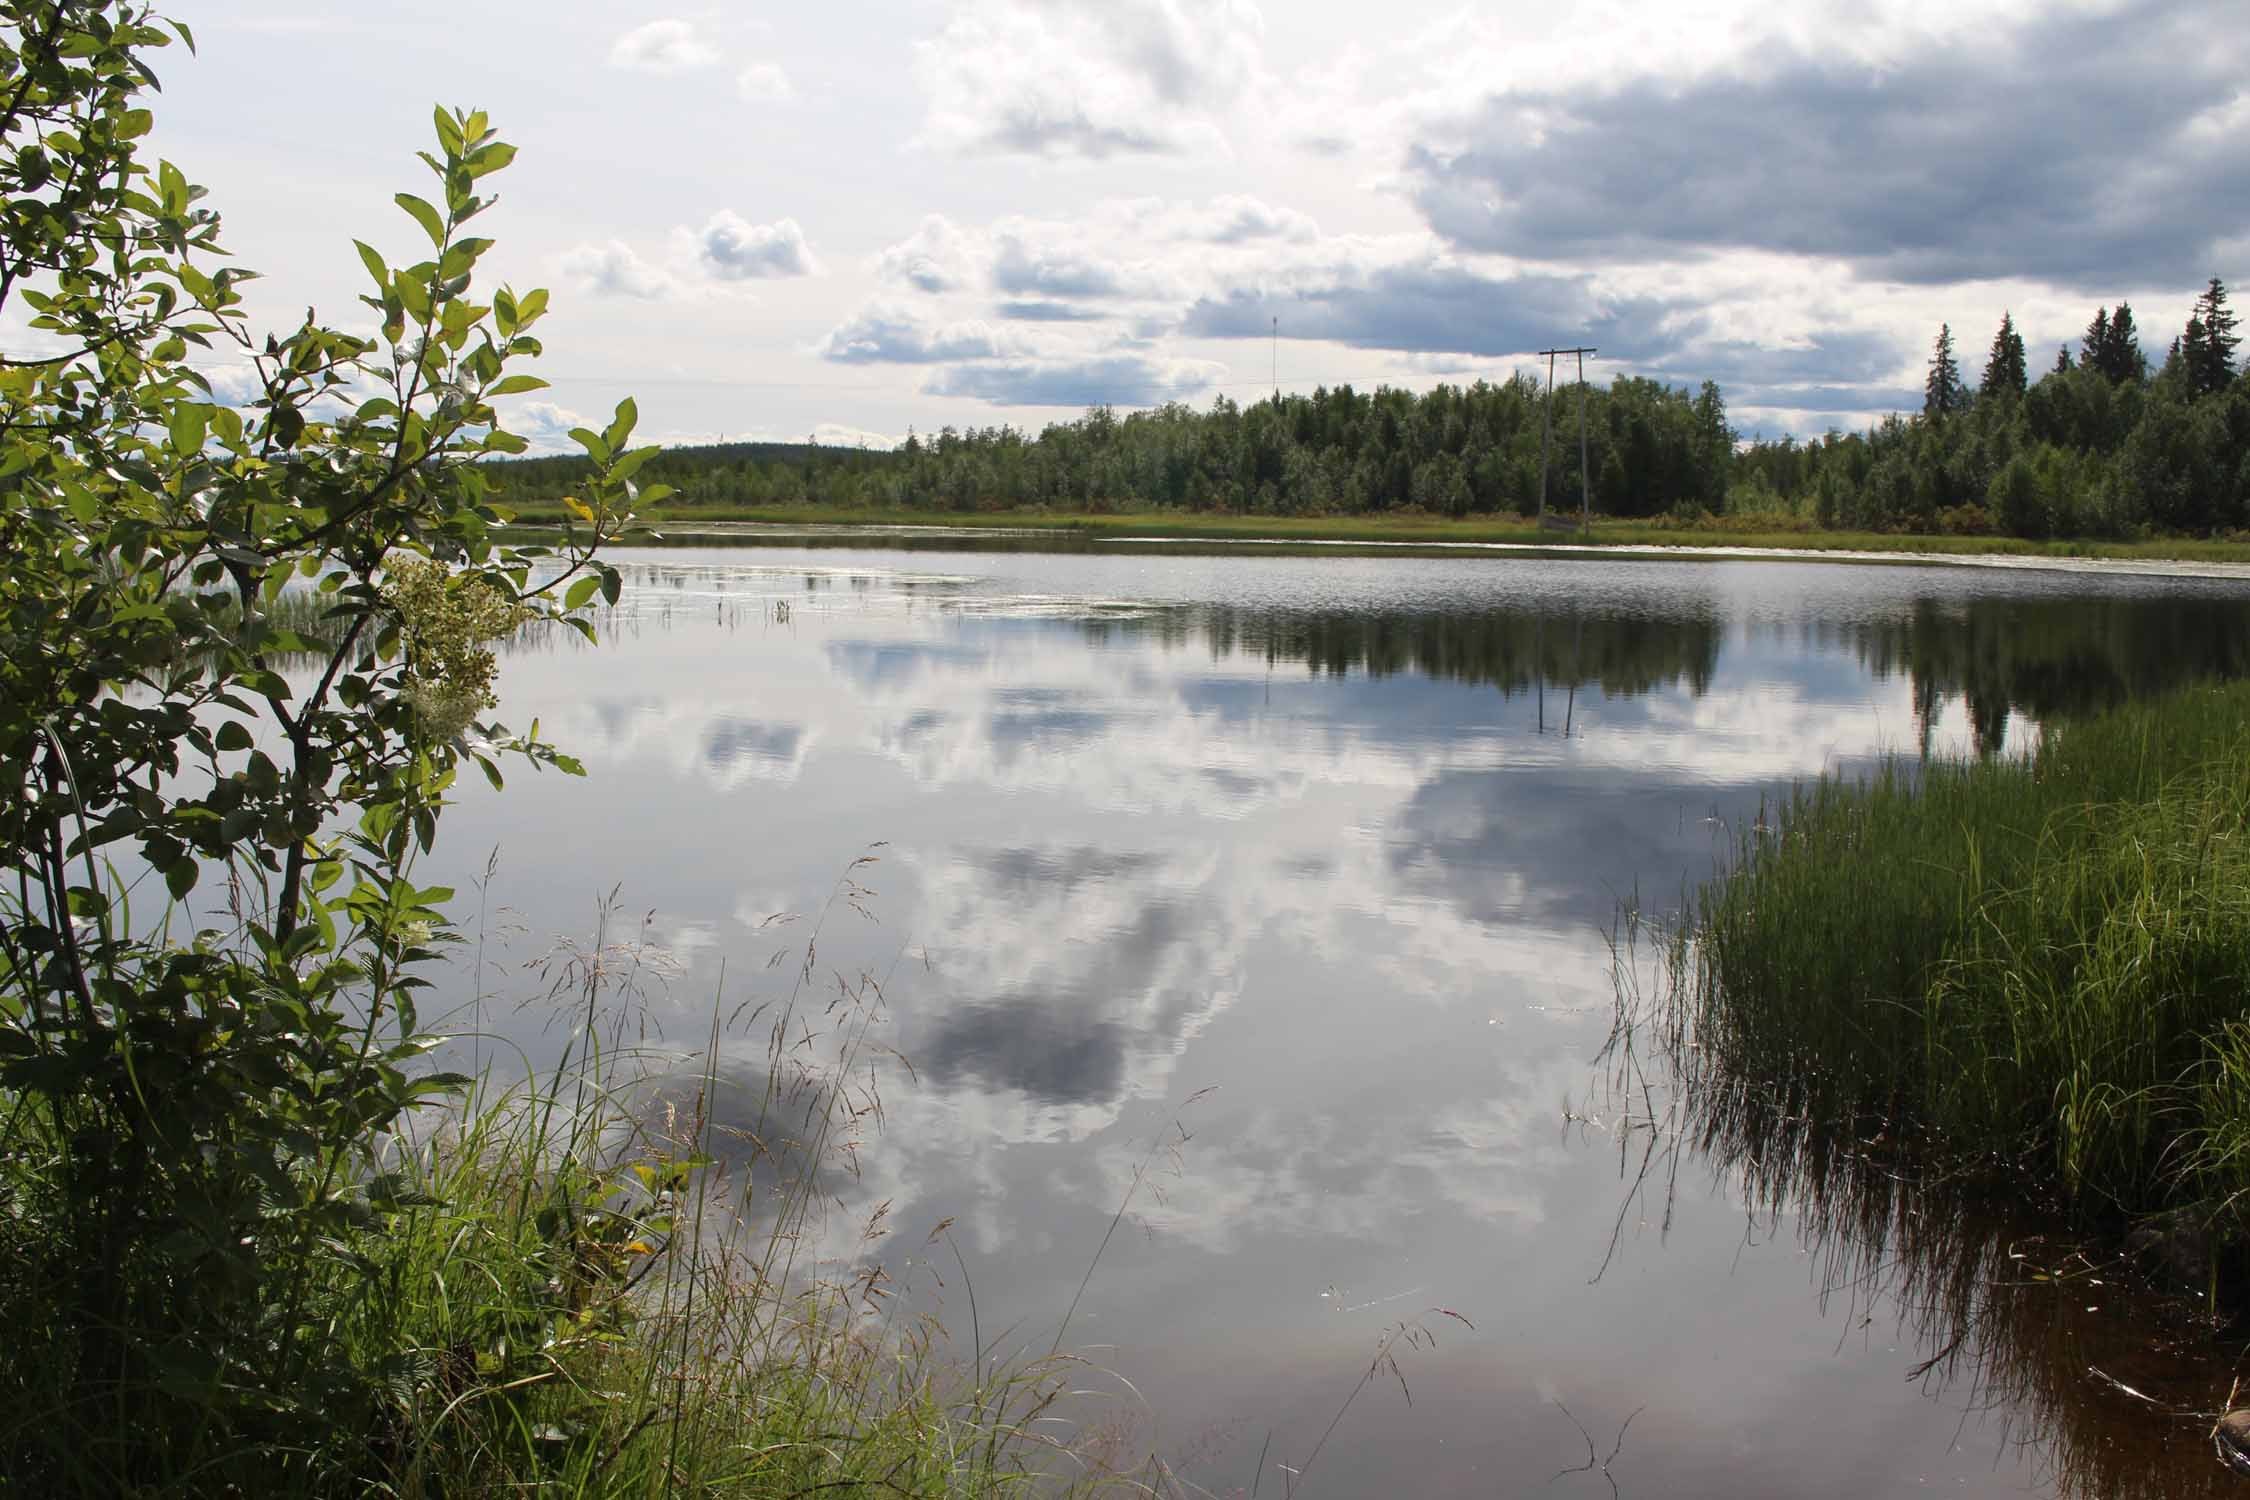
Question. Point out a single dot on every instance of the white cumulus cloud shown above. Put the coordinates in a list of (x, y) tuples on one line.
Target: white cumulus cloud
[(939, 256), (612, 269), (666, 46), (731, 248), (765, 83), (884, 334), (1121, 78)]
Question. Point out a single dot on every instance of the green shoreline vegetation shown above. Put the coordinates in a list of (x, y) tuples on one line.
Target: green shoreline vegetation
[(2034, 966)]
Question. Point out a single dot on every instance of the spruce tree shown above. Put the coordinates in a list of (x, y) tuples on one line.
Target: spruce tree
[(2096, 341), (2112, 346), (2209, 344), (2121, 355), (2062, 359), (1943, 393), (2004, 371)]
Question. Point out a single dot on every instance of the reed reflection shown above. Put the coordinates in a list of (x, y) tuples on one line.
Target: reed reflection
[(2043, 1341)]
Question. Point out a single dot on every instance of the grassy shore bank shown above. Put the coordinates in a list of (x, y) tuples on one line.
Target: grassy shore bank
[(1433, 531), (2042, 963)]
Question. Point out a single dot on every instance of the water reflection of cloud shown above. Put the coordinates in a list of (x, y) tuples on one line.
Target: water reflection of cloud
[(1030, 1045), (1555, 849), (1069, 973), (730, 743), (891, 663)]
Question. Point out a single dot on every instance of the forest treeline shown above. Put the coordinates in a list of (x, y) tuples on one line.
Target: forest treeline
[(2104, 443)]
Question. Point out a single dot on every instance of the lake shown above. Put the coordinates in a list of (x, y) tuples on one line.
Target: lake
[(1289, 884)]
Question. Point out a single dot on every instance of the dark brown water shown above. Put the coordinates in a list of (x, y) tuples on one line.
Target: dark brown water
[(1342, 839)]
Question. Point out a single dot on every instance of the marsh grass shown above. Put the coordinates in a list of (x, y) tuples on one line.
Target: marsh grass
[(2040, 962)]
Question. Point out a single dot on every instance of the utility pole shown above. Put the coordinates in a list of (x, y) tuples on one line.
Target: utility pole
[(1546, 434), (1585, 486)]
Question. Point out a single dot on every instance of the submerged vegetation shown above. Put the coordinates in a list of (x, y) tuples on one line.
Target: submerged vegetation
[(2041, 964)]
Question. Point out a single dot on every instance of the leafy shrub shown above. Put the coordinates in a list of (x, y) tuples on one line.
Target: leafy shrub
[(186, 1110)]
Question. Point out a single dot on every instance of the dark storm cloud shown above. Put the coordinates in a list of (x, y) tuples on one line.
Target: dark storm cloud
[(1111, 380), (2082, 150)]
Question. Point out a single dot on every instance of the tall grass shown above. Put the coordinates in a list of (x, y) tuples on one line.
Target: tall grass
[(2043, 961), (576, 1283)]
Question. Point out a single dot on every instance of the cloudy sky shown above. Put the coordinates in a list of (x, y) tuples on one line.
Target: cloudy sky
[(772, 220)]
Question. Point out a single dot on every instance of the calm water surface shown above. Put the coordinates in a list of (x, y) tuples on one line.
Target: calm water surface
[(1339, 839)]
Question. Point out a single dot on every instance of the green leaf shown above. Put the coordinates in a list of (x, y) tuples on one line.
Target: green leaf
[(581, 591), (516, 385), (179, 877), (490, 158), (621, 427), (448, 131), (232, 736), (424, 215), (374, 263), (186, 424)]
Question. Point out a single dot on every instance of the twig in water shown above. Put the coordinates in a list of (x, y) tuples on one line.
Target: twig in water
[(1592, 1462)]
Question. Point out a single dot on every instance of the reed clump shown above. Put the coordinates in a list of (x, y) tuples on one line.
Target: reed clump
[(2043, 961)]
